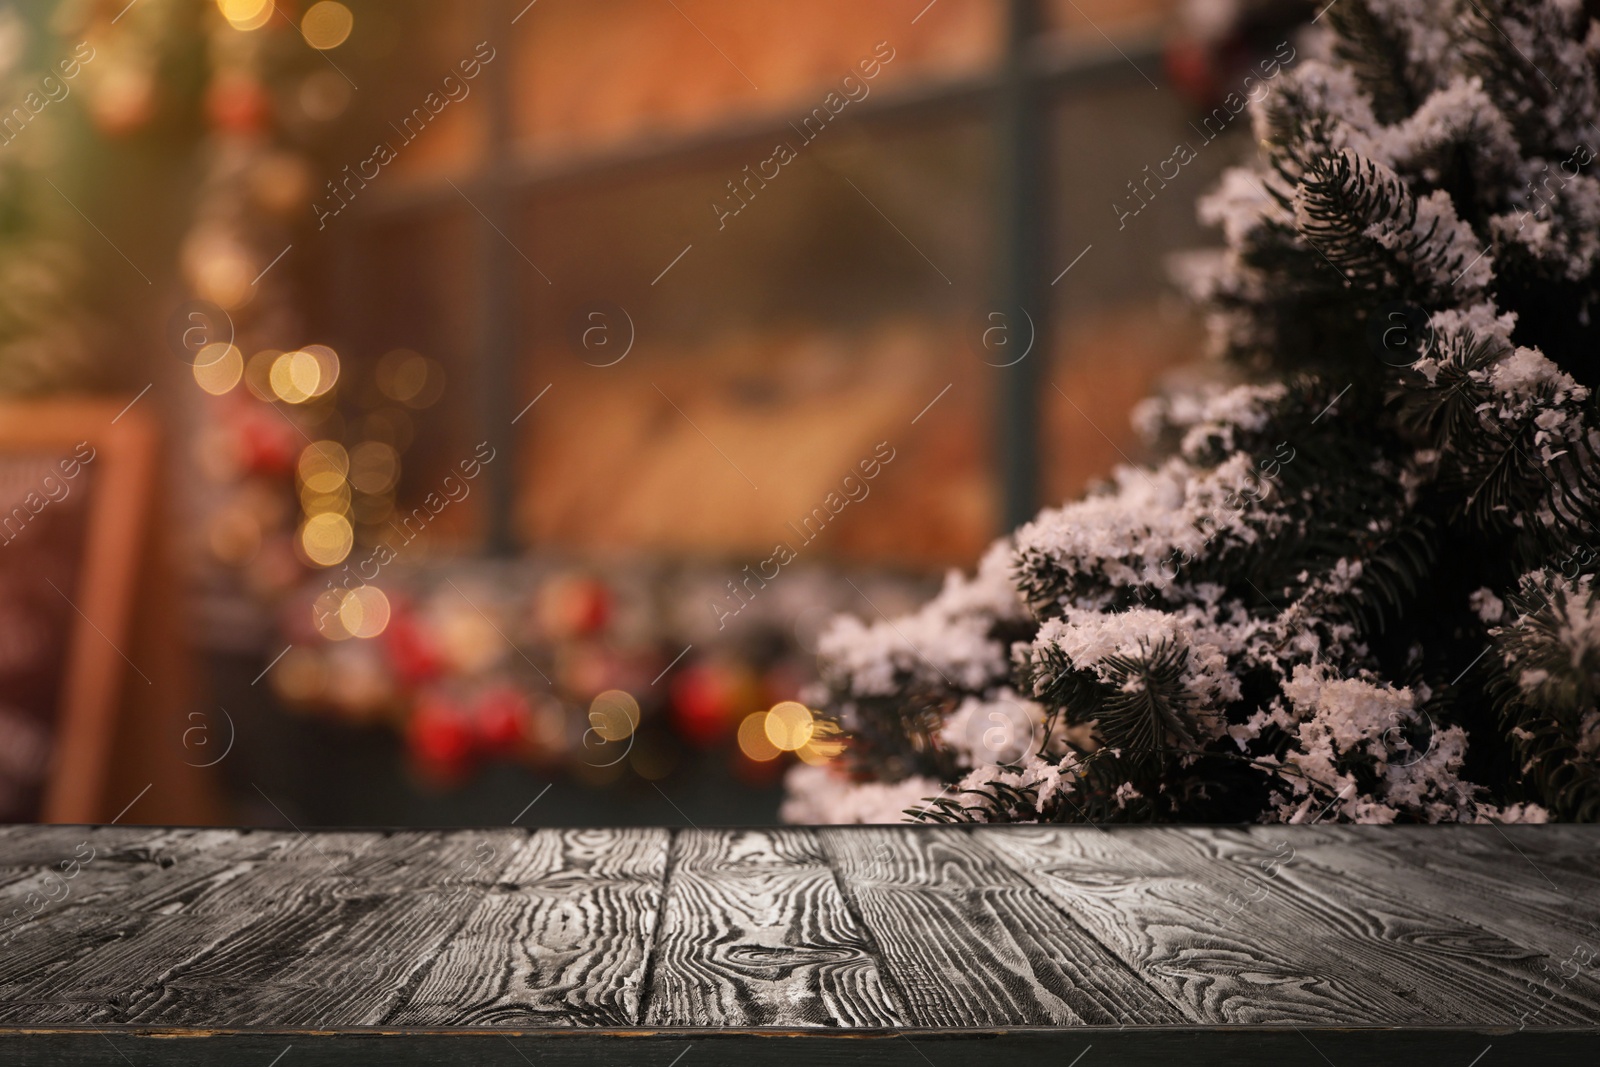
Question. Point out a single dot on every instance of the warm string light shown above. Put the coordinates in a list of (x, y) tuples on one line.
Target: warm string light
[(614, 715), (340, 614), (218, 368), (788, 726), (326, 25), (246, 14)]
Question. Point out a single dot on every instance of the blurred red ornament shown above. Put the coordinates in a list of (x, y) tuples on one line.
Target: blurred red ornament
[(707, 698), (411, 649), (575, 606), (500, 717), (440, 737), (266, 445), (237, 104), (1191, 68)]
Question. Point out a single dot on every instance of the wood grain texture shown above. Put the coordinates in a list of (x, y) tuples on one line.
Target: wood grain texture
[(1520, 905), (1457, 971), (561, 939), (267, 930), (757, 933), (1225, 945), (969, 943), (1227, 937)]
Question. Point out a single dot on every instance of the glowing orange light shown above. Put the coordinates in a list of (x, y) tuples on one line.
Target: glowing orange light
[(614, 715), (789, 725), (327, 25), (753, 740), (364, 611)]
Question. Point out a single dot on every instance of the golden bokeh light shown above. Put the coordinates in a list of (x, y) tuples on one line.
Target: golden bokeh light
[(789, 725), (364, 611), (614, 715), (323, 466), (374, 467), (326, 539), (327, 367), (412, 379), (296, 377), (246, 14), (218, 368), (753, 740), (337, 501), (327, 25)]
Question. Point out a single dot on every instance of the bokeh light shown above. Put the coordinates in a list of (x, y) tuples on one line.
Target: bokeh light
[(336, 501), (326, 539), (374, 467), (323, 466), (327, 367), (364, 611), (614, 715), (327, 25), (753, 741), (412, 379), (246, 14), (218, 368), (295, 376), (789, 725)]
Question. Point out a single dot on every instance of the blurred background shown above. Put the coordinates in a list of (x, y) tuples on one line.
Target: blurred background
[(423, 414)]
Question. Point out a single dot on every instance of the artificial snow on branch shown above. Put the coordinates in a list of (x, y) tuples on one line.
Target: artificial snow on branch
[(1380, 612)]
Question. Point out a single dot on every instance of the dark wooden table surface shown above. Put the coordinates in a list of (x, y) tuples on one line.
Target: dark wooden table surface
[(1462, 946)]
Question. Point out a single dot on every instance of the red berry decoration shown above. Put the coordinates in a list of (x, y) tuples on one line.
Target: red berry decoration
[(411, 649), (440, 737), (707, 698), (267, 445), (589, 608), (574, 606), (500, 718)]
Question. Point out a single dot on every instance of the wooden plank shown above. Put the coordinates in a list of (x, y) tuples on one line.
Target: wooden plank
[(967, 942), (755, 932), (128, 919), (336, 941), (1136, 932), (288, 938), (1552, 872), (1460, 972), (127, 878), (1562, 929), (1174, 925), (562, 940)]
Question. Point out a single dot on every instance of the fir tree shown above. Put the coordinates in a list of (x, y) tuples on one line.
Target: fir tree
[(1362, 584)]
